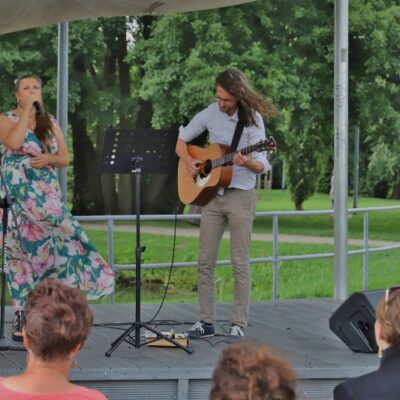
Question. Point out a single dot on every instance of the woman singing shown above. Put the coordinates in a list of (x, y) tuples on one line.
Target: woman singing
[(52, 244)]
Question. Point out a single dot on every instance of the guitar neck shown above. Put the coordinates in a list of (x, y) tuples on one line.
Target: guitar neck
[(227, 158)]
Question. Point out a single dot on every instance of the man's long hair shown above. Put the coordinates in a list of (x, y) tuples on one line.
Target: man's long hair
[(249, 101)]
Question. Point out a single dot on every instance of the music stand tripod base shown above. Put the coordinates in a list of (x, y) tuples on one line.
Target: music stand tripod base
[(159, 336)]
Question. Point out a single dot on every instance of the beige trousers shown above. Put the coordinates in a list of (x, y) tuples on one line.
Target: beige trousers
[(235, 208)]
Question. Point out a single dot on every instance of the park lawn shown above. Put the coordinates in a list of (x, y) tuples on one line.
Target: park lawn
[(297, 279), (383, 225)]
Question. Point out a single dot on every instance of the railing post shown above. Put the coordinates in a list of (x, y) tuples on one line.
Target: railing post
[(275, 256), (341, 148), (365, 252), (110, 242), (62, 95)]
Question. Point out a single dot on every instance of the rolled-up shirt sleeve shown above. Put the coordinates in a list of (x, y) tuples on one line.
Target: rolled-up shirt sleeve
[(257, 134), (262, 158)]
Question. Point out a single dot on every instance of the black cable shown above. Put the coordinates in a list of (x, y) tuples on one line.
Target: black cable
[(170, 271), (168, 322)]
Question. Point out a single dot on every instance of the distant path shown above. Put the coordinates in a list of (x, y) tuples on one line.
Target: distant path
[(266, 237)]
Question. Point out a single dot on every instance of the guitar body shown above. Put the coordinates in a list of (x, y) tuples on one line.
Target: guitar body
[(216, 170), (201, 189)]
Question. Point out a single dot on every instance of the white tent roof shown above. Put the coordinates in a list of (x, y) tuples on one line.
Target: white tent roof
[(16, 15)]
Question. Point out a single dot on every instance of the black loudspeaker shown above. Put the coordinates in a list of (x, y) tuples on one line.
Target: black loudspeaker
[(353, 322)]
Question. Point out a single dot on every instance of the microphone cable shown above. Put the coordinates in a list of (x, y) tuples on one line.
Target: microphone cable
[(170, 270), (117, 325)]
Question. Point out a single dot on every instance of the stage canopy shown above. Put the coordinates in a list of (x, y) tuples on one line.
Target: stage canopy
[(17, 15)]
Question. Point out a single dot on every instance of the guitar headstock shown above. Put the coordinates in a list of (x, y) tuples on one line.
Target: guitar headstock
[(268, 144)]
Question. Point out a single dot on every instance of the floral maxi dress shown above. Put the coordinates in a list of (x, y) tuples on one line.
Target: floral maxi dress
[(55, 245)]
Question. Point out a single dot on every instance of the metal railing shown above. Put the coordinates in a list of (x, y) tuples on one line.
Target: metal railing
[(275, 258)]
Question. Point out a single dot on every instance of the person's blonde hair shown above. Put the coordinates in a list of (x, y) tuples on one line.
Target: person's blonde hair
[(250, 372), (388, 315)]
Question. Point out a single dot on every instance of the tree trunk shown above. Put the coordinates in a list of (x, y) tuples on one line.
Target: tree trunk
[(87, 193), (107, 180), (298, 206), (396, 191), (87, 196), (116, 71)]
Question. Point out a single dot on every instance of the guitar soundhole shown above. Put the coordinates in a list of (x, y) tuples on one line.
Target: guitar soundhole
[(207, 168)]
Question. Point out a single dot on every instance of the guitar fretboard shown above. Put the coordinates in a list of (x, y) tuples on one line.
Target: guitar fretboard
[(227, 158)]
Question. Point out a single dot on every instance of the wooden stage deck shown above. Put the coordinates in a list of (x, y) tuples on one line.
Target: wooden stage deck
[(297, 329)]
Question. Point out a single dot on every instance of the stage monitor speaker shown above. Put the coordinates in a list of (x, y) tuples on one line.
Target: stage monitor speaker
[(353, 322)]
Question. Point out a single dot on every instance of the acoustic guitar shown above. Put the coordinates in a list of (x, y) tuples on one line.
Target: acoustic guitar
[(215, 170)]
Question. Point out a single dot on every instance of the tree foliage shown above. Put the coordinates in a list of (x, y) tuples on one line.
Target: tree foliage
[(160, 71), (374, 88), (287, 56)]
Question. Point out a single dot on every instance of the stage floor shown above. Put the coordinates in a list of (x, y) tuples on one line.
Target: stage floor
[(298, 330)]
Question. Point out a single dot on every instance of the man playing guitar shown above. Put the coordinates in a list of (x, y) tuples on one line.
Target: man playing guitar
[(235, 205)]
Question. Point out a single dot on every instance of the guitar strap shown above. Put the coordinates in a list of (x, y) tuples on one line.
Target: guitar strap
[(236, 136)]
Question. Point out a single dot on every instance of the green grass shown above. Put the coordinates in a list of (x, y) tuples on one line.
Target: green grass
[(382, 225), (297, 279)]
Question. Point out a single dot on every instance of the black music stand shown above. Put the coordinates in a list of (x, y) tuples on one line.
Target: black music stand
[(6, 203), (130, 151)]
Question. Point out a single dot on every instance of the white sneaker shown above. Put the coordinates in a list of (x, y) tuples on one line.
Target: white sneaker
[(236, 333)]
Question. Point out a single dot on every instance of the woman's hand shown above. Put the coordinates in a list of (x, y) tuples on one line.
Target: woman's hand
[(42, 160)]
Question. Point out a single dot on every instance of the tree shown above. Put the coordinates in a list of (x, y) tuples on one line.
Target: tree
[(87, 198), (31, 51), (285, 54), (159, 71), (103, 98), (374, 88)]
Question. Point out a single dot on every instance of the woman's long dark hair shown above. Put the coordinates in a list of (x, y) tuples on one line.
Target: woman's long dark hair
[(249, 101), (43, 127)]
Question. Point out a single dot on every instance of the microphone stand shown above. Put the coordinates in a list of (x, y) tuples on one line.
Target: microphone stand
[(6, 203)]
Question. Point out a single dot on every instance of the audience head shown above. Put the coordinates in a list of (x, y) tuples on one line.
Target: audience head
[(250, 372), (57, 320), (387, 327)]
